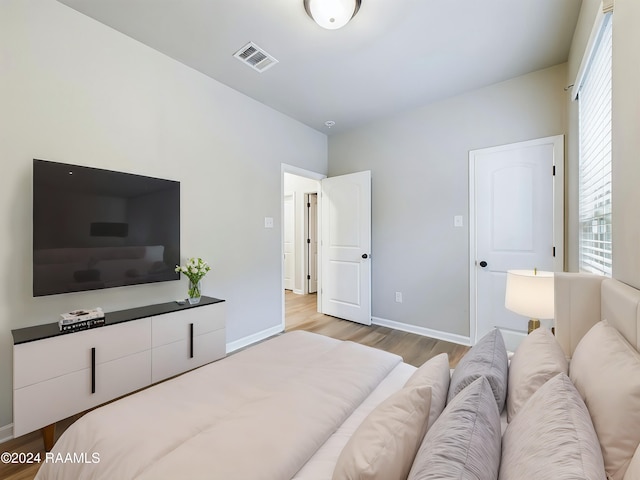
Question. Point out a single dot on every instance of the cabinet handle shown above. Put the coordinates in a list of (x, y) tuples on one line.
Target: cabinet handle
[(191, 340), (93, 370)]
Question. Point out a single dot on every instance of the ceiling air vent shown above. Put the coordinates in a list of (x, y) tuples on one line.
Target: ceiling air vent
[(255, 57)]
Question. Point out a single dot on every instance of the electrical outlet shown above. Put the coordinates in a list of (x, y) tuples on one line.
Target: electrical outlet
[(268, 222), (398, 297)]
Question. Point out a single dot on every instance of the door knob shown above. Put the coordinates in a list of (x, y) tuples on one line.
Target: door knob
[(364, 255), (483, 264)]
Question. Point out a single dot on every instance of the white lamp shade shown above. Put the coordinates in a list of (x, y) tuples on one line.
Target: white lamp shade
[(331, 14), (530, 293)]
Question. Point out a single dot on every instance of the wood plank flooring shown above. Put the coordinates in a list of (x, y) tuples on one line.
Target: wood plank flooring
[(301, 314), (30, 443)]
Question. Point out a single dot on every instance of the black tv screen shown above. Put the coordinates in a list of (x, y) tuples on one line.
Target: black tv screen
[(96, 228)]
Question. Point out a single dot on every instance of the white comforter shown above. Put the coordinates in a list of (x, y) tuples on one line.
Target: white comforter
[(258, 414)]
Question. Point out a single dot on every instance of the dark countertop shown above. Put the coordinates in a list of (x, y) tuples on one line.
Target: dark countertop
[(39, 332)]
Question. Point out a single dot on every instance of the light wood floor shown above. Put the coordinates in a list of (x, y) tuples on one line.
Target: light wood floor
[(301, 314), (30, 443)]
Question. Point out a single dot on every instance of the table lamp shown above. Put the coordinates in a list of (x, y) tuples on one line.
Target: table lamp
[(530, 293)]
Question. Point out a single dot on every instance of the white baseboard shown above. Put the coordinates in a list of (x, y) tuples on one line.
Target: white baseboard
[(426, 332), (256, 337), (6, 433)]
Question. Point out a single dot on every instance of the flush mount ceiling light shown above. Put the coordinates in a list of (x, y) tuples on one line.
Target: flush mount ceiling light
[(332, 14)]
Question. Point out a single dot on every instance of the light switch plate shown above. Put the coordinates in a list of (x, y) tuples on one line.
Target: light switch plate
[(457, 221)]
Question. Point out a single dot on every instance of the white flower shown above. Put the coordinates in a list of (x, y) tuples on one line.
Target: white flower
[(195, 269)]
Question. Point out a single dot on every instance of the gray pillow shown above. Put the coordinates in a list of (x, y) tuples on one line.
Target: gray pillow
[(552, 437), (487, 358), (464, 443)]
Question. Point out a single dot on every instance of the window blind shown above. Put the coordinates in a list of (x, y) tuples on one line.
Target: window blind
[(594, 204)]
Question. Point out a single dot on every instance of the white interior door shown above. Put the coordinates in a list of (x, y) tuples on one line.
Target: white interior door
[(515, 226), (312, 242), (346, 247), (289, 241)]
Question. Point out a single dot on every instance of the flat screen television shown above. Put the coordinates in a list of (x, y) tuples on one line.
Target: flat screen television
[(95, 228)]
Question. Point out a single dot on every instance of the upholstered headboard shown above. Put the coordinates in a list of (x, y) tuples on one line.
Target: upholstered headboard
[(582, 300)]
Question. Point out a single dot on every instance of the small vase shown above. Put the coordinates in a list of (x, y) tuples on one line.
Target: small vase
[(194, 292)]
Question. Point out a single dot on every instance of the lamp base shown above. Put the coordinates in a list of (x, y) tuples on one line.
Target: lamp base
[(533, 324)]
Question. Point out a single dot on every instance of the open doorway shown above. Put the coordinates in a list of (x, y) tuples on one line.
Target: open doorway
[(300, 243), (344, 227)]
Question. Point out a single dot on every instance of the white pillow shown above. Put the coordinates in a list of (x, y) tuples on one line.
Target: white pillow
[(605, 369), (633, 472), (384, 445), (538, 359), (552, 437), (436, 374)]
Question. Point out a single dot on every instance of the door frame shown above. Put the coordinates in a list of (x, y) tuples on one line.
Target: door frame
[(307, 257), (292, 218), (301, 172), (558, 214)]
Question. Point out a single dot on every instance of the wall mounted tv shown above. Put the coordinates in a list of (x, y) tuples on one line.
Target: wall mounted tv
[(96, 228)]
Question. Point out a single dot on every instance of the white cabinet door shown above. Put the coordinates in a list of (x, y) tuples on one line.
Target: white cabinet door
[(175, 358), (53, 376), (47, 402), (172, 327), (52, 357), (176, 349)]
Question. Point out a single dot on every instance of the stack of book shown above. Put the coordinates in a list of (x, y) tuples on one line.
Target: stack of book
[(81, 319)]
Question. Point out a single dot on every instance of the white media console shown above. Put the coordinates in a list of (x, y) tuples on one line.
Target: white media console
[(57, 375)]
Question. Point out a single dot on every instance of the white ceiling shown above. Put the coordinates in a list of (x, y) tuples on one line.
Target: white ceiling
[(394, 55)]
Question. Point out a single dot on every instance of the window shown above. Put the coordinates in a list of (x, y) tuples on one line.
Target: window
[(594, 203)]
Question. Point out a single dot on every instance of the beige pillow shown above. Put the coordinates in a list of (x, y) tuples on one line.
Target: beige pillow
[(605, 369), (538, 359), (552, 437), (434, 373), (384, 445), (633, 472)]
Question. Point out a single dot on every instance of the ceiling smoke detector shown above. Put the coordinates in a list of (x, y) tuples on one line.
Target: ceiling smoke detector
[(255, 57)]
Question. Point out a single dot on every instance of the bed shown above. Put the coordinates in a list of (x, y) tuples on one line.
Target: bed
[(265, 412), (290, 407)]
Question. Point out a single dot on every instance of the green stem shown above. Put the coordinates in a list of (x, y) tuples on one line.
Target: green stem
[(194, 289)]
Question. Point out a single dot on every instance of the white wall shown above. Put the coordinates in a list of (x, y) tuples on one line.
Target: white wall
[(300, 186), (419, 163), (626, 142), (625, 139), (76, 91)]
